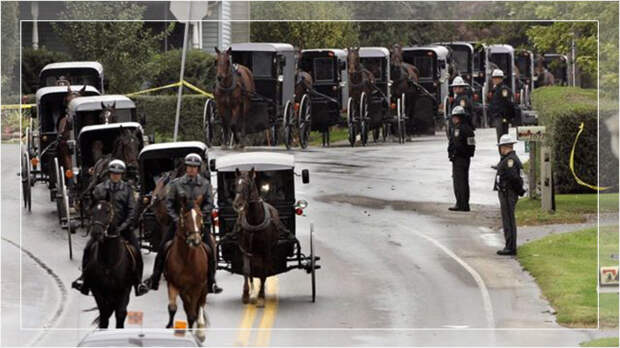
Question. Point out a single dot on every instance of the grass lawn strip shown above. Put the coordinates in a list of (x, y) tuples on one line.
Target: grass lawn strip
[(570, 208)]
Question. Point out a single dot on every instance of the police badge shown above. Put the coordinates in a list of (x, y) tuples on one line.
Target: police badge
[(462, 102), (504, 92), (456, 132), (511, 163)]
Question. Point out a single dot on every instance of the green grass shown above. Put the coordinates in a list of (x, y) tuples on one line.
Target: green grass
[(601, 342), (335, 134), (565, 267), (608, 246), (570, 208)]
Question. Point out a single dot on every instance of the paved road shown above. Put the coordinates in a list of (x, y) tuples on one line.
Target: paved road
[(397, 267)]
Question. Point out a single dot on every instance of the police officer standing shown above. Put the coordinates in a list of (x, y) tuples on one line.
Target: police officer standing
[(501, 105), (120, 195), (462, 99), (190, 186), (509, 185), (461, 148)]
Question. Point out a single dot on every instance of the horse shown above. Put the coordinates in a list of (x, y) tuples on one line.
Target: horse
[(259, 227), (234, 88), (187, 267), (64, 127), (361, 80), (405, 79), (108, 113), (543, 76), (112, 268)]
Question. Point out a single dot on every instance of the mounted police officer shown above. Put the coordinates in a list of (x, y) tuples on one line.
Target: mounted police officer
[(190, 186), (120, 195), (461, 148), (501, 104), (509, 185), (461, 98)]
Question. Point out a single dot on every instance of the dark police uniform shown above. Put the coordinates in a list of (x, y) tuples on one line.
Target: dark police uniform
[(190, 188), (501, 108), (461, 148), (466, 103), (509, 184)]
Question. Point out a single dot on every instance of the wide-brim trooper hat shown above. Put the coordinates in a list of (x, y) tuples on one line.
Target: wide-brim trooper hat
[(193, 159), (506, 139), (497, 73), (116, 166), (459, 82), (458, 111)]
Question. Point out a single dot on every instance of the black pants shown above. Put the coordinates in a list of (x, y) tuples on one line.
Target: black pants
[(460, 180), (501, 127), (507, 202)]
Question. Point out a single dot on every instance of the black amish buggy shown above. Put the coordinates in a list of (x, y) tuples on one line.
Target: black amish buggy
[(273, 68), (328, 68), (163, 161), (39, 151), (275, 180)]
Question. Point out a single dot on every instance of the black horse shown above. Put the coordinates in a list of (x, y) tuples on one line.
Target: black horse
[(112, 267)]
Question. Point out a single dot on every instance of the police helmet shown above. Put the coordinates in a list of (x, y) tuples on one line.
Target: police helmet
[(193, 159), (117, 166), (458, 111), (497, 73), (506, 139), (458, 82)]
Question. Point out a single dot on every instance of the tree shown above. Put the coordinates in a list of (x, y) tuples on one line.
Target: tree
[(123, 48), (10, 48), (308, 34)]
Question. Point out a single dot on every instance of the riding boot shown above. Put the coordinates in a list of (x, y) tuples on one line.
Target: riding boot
[(158, 268), (79, 283), (212, 286)]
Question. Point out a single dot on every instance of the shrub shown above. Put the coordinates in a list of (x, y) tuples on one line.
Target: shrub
[(32, 63), (165, 68), (562, 110)]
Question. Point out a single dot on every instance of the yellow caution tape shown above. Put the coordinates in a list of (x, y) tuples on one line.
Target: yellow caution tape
[(17, 106), (571, 164), (196, 89), (176, 84)]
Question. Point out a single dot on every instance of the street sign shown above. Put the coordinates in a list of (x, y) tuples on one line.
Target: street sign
[(531, 133), (609, 275), (135, 317), (189, 10)]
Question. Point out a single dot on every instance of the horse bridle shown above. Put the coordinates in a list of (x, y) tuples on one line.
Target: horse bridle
[(182, 227), (106, 226), (233, 74)]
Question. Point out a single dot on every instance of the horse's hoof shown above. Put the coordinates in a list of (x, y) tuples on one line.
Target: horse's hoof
[(245, 299), (260, 303), (169, 326)]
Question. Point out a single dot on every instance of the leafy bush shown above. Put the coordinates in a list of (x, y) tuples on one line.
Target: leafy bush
[(562, 110), (164, 68), (32, 63)]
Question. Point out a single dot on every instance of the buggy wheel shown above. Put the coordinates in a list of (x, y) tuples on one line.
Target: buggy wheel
[(350, 122), (66, 208), (26, 181), (312, 265), (364, 118), (305, 121), (208, 117), (287, 125)]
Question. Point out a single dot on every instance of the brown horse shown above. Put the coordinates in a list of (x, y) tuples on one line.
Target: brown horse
[(401, 73), (233, 91), (259, 226), (360, 78), (63, 129), (543, 76), (187, 268), (108, 113)]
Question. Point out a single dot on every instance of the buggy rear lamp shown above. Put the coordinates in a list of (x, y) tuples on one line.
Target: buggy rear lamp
[(44, 138), (69, 173), (34, 161), (393, 106), (331, 54), (145, 200), (434, 84), (517, 95), (476, 97), (280, 78), (429, 53), (335, 88), (481, 74), (215, 216), (296, 106), (299, 211)]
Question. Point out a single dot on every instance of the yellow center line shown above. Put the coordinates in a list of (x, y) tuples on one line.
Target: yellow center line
[(263, 338), (247, 321)]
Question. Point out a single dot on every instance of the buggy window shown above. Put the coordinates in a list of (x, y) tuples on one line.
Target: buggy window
[(523, 64), (502, 60), (460, 56), (424, 65), (323, 69), (375, 66), (262, 64), (274, 186), (479, 60)]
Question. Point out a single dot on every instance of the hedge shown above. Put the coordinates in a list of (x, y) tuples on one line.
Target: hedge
[(159, 112), (32, 63), (562, 110)]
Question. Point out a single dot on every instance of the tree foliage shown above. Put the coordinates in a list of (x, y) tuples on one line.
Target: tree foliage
[(304, 34), (123, 48), (10, 47), (164, 68), (33, 62)]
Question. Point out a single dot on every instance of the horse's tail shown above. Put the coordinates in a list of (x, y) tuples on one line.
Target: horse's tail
[(96, 321)]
